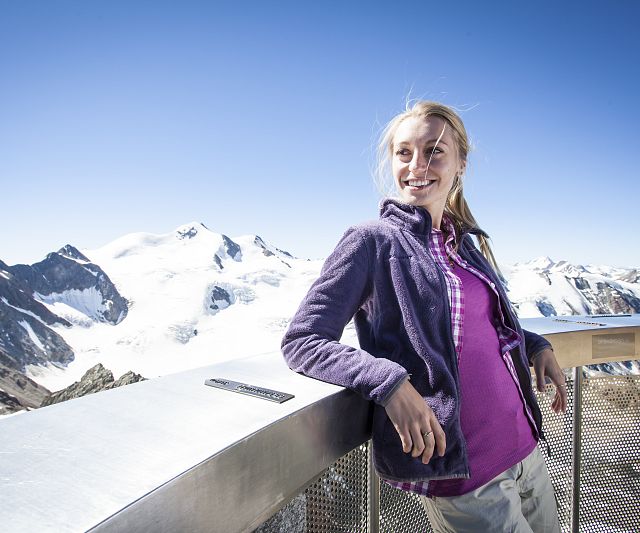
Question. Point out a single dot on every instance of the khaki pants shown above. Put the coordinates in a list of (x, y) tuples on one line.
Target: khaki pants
[(519, 500)]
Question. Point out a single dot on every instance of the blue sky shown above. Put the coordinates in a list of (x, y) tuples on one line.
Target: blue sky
[(260, 117)]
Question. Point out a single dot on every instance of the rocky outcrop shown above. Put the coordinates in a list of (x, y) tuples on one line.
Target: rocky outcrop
[(127, 379), (9, 404), (96, 379), (29, 295), (631, 276), (576, 289), (18, 392), (219, 298), (187, 233), (581, 284), (72, 253), (261, 244), (67, 276), (231, 248), (19, 295), (270, 251), (26, 339), (612, 298), (545, 308)]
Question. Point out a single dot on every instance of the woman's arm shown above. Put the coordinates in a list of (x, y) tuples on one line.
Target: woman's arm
[(534, 344), (545, 365), (311, 344)]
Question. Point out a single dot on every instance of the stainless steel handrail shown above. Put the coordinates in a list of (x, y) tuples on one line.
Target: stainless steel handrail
[(174, 454), (170, 454)]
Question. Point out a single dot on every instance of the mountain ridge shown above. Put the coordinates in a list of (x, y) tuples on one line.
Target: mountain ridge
[(160, 303)]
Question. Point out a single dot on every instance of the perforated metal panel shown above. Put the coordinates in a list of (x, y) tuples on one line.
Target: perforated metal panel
[(401, 512), (337, 502), (558, 456), (610, 474)]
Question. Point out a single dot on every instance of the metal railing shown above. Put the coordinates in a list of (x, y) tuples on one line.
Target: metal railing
[(170, 454), (594, 459), (594, 467)]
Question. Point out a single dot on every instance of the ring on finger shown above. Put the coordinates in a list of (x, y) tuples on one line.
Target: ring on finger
[(426, 434)]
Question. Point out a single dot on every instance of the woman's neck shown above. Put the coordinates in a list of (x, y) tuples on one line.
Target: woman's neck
[(436, 220)]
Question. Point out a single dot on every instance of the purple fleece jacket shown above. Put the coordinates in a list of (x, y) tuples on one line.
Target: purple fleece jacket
[(382, 275)]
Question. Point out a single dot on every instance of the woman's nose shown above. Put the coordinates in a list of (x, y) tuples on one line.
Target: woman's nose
[(417, 165)]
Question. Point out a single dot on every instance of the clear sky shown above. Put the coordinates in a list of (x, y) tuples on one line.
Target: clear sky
[(260, 117)]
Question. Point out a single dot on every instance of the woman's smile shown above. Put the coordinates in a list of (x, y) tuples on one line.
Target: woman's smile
[(418, 184)]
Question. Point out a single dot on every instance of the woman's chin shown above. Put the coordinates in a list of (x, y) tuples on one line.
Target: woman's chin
[(410, 197)]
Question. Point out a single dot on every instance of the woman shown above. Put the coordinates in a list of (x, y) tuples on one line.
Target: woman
[(442, 354)]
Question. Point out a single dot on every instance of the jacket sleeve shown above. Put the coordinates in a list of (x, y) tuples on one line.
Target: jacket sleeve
[(311, 344), (534, 344)]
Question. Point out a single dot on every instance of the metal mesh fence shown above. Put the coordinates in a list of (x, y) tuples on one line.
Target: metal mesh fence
[(609, 474), (337, 502), (401, 512), (558, 455)]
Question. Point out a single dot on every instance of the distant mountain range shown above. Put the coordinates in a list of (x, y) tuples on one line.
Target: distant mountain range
[(156, 304), (543, 288)]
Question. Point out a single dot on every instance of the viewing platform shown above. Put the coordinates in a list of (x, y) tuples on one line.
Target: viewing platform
[(172, 454)]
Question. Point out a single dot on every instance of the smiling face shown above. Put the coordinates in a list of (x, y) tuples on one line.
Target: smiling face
[(425, 162)]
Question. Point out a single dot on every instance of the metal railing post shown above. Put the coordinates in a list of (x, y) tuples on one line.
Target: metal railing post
[(577, 448), (373, 493)]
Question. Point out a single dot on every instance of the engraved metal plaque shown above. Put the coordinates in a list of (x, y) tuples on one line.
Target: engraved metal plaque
[(614, 345), (250, 390), (584, 322)]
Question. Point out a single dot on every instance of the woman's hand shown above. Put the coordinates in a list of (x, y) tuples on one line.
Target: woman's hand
[(545, 365), (412, 418)]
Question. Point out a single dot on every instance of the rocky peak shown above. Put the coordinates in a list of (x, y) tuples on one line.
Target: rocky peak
[(191, 230), (18, 392), (269, 250), (60, 274), (72, 252), (187, 233), (231, 248), (261, 244), (96, 379)]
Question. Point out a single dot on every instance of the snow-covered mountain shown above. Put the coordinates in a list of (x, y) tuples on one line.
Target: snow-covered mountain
[(542, 287), (33, 299), (157, 304), (185, 299)]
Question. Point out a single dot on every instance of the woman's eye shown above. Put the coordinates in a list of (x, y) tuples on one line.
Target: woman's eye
[(402, 151), (434, 151)]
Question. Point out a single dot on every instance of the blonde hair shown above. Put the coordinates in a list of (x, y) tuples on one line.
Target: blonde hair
[(456, 206)]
